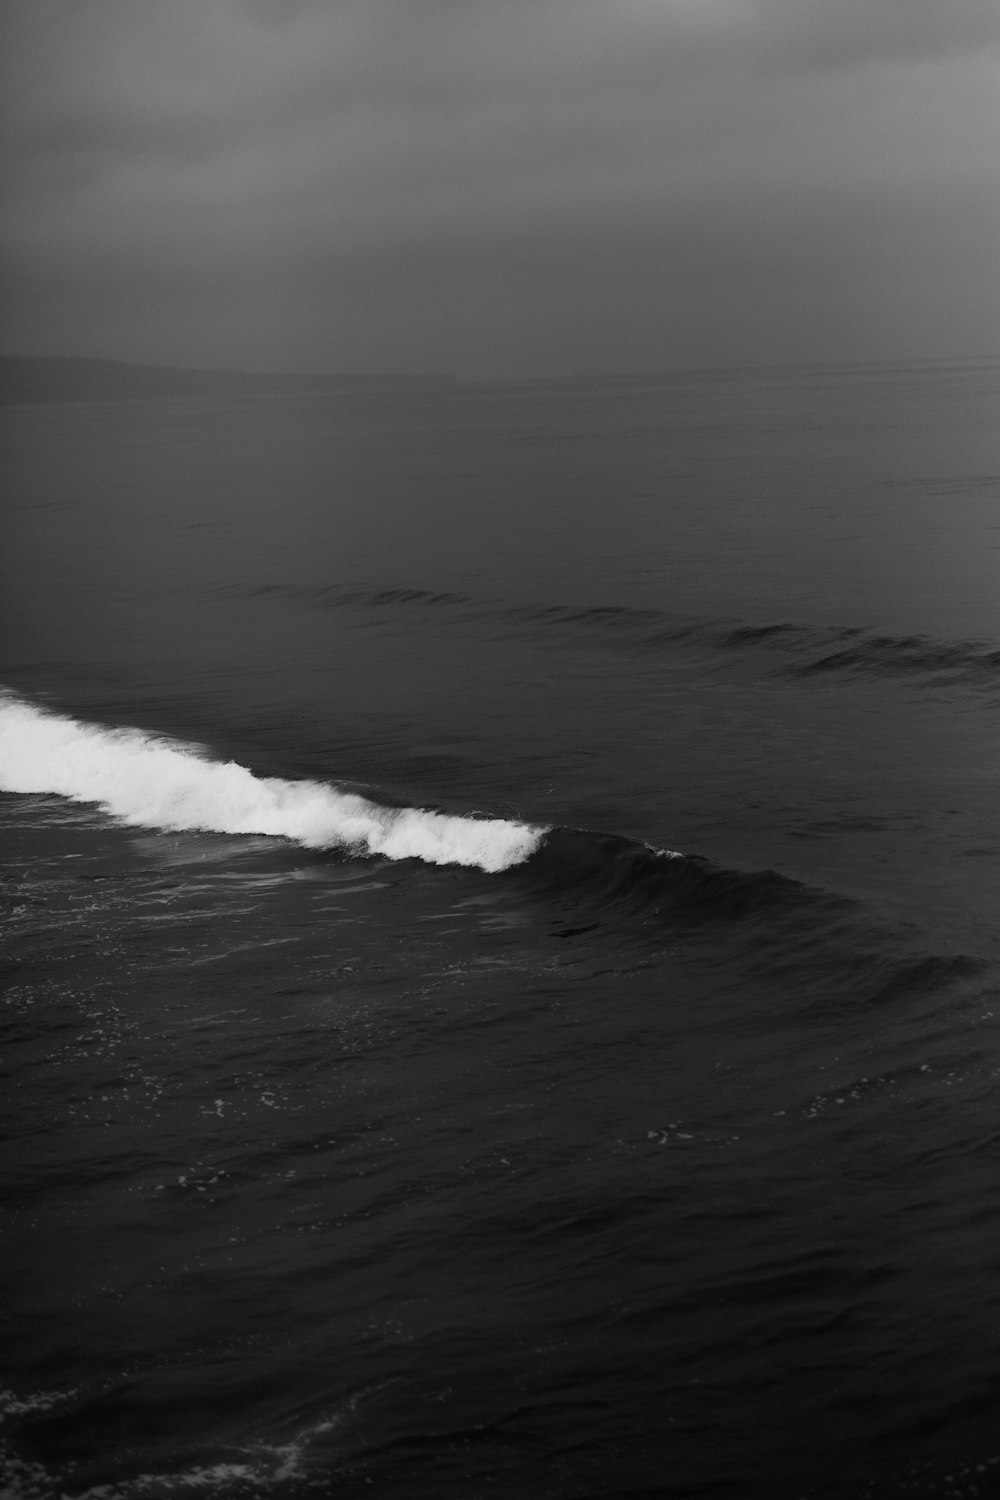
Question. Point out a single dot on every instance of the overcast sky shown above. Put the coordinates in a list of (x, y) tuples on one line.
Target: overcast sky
[(501, 186)]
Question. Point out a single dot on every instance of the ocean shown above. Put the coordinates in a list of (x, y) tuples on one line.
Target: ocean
[(502, 980)]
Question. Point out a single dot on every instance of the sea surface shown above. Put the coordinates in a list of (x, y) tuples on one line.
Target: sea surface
[(501, 964)]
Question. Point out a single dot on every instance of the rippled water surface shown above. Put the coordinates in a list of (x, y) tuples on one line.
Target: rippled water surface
[(501, 962)]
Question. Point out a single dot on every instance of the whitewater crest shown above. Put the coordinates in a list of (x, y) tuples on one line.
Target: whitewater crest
[(144, 780)]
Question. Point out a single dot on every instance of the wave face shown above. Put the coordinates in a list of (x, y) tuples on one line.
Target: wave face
[(620, 876), (147, 781)]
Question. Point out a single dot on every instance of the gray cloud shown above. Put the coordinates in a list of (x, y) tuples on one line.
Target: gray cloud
[(498, 183)]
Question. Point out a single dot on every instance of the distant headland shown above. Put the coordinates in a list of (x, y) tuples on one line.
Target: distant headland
[(34, 378)]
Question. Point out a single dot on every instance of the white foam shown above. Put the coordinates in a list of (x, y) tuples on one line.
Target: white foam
[(155, 783)]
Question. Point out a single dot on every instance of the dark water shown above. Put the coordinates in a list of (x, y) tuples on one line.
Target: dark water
[(563, 1062)]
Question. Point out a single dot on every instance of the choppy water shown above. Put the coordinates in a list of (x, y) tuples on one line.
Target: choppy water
[(502, 978)]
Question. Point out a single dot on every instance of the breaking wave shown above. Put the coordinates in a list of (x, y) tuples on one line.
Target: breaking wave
[(148, 781), (599, 879)]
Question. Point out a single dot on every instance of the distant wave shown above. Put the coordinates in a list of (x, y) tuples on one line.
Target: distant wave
[(909, 655), (151, 782), (797, 649)]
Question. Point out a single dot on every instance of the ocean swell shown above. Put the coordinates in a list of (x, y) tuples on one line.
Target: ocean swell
[(792, 648)]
